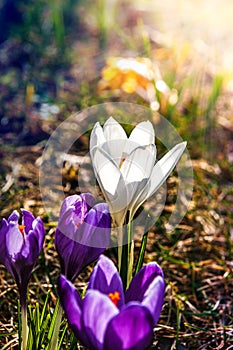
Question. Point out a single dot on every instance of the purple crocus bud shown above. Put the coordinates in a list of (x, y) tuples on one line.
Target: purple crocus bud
[(106, 319), (83, 233), (20, 246)]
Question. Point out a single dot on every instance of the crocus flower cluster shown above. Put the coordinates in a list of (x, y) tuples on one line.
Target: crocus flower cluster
[(126, 168), (20, 246), (109, 319), (82, 234)]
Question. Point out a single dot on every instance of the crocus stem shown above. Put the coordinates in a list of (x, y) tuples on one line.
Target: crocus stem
[(55, 336), (120, 246), (24, 328), (23, 304), (127, 255), (124, 265), (130, 252)]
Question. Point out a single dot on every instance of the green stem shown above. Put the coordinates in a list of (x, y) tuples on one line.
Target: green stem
[(24, 327), (130, 264), (120, 246), (124, 265), (130, 252), (127, 255), (55, 336)]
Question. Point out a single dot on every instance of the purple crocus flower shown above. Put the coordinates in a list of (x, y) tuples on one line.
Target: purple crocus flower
[(109, 319), (83, 233), (20, 246)]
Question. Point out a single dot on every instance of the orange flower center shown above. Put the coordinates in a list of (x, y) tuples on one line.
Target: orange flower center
[(122, 161), (115, 297), (80, 223), (21, 229)]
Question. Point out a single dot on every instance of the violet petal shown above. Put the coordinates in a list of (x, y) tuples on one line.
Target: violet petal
[(39, 231), (80, 242), (98, 310), (69, 202), (141, 282), (14, 217), (72, 305), (27, 220), (131, 329), (95, 231), (154, 297), (14, 239), (89, 200), (106, 279)]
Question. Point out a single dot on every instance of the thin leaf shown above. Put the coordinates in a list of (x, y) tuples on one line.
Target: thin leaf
[(141, 253)]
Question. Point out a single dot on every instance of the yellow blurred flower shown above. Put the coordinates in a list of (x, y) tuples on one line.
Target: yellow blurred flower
[(127, 74), (134, 75)]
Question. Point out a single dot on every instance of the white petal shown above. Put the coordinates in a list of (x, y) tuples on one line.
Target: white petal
[(97, 136), (116, 138), (113, 130), (111, 183), (106, 171), (134, 190), (143, 134), (139, 164), (160, 173), (136, 171), (164, 167)]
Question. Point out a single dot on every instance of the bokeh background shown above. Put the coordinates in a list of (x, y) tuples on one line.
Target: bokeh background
[(174, 57)]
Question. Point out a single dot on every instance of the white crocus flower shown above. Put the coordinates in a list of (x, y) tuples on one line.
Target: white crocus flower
[(126, 168)]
